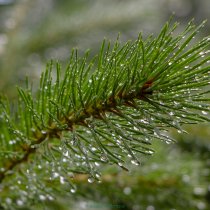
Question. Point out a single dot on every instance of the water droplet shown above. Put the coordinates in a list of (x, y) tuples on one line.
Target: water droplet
[(104, 158), (12, 142), (150, 152), (97, 175), (93, 149), (171, 113), (135, 162), (73, 190), (135, 128), (50, 197), (62, 180), (204, 112), (55, 175), (144, 121), (177, 104), (147, 139), (44, 132), (186, 67), (169, 63), (97, 164), (156, 132), (87, 131), (66, 153), (168, 141), (118, 142), (120, 164), (91, 179), (42, 197)]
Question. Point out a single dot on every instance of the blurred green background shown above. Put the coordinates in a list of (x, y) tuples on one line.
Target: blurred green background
[(32, 32)]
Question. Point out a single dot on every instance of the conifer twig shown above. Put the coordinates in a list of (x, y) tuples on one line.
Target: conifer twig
[(105, 110)]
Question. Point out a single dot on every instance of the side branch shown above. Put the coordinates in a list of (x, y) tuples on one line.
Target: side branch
[(95, 111)]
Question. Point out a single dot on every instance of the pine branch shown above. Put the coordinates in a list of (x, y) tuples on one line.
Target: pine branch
[(102, 111)]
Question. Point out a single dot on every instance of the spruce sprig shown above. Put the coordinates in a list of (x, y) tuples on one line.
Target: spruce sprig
[(102, 110)]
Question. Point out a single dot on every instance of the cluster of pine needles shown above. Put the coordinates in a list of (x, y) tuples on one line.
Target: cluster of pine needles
[(102, 110)]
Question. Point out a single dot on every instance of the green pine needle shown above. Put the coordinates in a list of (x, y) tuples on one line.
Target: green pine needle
[(104, 110)]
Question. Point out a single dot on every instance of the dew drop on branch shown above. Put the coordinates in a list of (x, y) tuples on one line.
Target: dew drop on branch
[(204, 112), (44, 132), (93, 149), (73, 190), (55, 175), (156, 132), (135, 162), (97, 164), (91, 179), (171, 113), (202, 54), (62, 180), (120, 164), (104, 158), (66, 154), (42, 197), (150, 152)]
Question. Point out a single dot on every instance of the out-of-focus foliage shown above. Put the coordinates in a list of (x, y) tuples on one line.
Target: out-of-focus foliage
[(32, 32)]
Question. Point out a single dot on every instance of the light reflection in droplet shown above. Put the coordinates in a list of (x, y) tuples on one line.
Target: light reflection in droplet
[(42, 197), (135, 162), (204, 112), (62, 180), (91, 179), (120, 164), (73, 190)]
